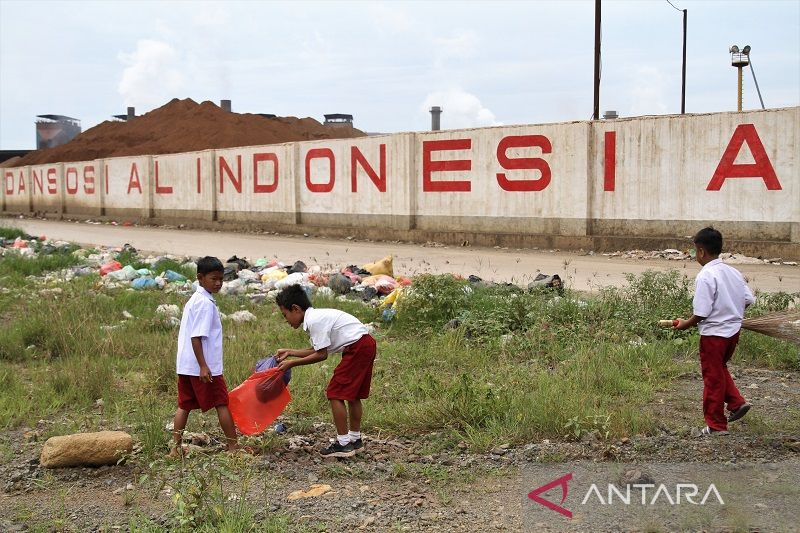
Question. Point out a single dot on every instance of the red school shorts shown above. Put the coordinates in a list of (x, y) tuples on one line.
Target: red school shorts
[(353, 375), (194, 394)]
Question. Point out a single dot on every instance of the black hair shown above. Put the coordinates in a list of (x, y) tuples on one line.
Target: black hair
[(293, 295), (208, 264), (710, 239)]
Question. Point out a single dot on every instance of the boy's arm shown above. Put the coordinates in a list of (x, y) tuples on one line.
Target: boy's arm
[(283, 353), (197, 348), (310, 357), (690, 323)]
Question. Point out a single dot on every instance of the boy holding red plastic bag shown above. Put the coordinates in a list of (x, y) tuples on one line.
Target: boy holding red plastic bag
[(331, 331)]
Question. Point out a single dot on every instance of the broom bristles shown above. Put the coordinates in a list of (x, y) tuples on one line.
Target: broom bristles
[(781, 325)]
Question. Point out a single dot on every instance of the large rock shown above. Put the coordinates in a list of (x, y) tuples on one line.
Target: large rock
[(86, 449)]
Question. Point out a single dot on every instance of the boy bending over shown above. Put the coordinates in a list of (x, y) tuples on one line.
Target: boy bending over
[(333, 331)]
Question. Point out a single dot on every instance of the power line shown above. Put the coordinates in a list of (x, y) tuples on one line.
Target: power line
[(673, 5)]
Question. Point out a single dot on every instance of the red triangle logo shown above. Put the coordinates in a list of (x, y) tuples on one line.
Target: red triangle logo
[(562, 481)]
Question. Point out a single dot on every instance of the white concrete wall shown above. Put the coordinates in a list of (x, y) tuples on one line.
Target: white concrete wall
[(515, 172), (664, 166), (126, 185), (16, 190), (83, 188), (364, 177), (646, 176), (183, 185), (47, 187), (254, 183)]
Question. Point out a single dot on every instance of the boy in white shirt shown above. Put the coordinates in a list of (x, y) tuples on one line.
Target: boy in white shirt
[(720, 298), (333, 331), (199, 360)]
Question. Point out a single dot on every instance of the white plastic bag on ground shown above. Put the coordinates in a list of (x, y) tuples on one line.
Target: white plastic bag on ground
[(297, 278)]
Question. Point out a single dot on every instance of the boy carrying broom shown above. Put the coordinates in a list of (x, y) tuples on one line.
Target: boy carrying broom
[(720, 298)]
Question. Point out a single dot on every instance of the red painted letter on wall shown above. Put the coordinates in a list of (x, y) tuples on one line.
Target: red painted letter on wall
[(9, 183), (378, 179), (36, 179), (320, 153), (265, 187), (429, 166), (21, 183), (165, 189), (762, 168), (74, 172), (225, 169), (51, 181), (133, 180), (524, 163), (610, 162), (88, 179)]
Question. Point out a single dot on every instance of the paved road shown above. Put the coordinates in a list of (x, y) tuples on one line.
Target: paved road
[(581, 272)]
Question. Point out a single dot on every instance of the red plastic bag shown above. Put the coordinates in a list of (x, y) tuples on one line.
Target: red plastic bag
[(256, 403), (111, 266)]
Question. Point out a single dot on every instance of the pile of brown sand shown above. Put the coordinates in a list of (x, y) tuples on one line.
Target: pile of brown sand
[(185, 126)]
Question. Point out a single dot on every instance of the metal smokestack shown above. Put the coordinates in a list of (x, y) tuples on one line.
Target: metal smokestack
[(436, 113), (225, 105), (131, 113)]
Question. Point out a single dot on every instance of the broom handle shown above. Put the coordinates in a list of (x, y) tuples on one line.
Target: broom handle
[(668, 323)]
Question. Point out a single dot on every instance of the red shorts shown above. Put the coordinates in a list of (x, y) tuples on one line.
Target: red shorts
[(352, 377), (194, 394)]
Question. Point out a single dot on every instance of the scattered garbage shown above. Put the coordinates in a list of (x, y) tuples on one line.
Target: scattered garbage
[(168, 310), (241, 316)]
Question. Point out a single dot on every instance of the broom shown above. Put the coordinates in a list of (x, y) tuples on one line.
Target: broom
[(783, 325)]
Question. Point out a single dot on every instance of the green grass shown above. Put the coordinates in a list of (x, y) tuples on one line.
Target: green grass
[(519, 367)]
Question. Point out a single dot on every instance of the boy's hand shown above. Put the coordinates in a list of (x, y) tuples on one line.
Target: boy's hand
[(285, 365), (282, 354), (205, 374), (683, 324)]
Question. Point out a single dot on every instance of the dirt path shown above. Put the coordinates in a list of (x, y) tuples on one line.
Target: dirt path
[(581, 272), (400, 484)]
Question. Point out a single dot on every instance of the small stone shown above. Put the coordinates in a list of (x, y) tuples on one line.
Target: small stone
[(118, 491)]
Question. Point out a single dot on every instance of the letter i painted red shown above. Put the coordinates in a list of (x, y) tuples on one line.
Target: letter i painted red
[(610, 167), (198, 175)]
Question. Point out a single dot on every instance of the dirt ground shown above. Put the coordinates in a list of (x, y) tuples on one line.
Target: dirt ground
[(404, 482), (399, 484), (579, 271)]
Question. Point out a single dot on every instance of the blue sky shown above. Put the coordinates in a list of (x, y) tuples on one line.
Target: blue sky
[(485, 63)]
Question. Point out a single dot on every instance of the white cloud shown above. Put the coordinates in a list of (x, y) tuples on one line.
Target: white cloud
[(152, 76), (647, 92), (460, 109)]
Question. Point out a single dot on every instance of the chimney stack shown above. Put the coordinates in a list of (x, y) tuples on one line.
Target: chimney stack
[(131, 113), (436, 113), (225, 105)]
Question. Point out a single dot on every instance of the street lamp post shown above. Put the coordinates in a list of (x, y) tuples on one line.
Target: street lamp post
[(739, 59)]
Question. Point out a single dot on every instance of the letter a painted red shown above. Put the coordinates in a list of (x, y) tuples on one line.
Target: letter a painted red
[(762, 168)]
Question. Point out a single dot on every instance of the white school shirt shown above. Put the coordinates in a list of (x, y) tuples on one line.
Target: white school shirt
[(332, 329), (200, 319), (720, 295)]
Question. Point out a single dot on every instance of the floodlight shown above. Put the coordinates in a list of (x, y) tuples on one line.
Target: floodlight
[(746, 50), (734, 49)]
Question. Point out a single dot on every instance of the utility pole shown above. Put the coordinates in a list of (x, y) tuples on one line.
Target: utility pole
[(683, 82), (596, 113)]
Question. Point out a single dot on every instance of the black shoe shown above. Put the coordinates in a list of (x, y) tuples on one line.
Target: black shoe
[(740, 412), (337, 450), (358, 445)]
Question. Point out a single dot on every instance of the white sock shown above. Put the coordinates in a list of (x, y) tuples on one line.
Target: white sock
[(343, 439), (354, 435)]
